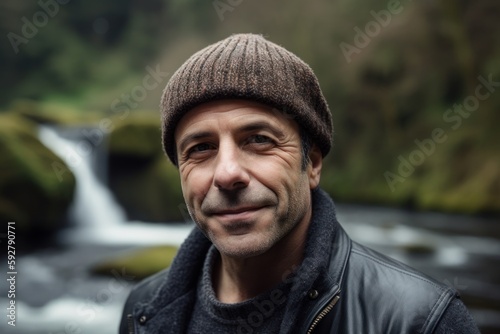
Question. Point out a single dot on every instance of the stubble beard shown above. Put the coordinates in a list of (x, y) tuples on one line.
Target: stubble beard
[(285, 222)]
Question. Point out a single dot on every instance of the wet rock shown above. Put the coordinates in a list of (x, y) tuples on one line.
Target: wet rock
[(138, 264), (32, 191), (144, 182)]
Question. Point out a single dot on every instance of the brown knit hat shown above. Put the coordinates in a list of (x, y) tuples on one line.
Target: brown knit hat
[(247, 66)]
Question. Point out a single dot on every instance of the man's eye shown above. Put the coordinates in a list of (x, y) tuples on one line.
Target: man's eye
[(259, 139), (199, 148)]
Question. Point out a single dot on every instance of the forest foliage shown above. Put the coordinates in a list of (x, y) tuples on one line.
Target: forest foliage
[(414, 87)]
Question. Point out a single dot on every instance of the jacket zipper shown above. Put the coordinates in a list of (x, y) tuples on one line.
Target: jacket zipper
[(323, 313), (130, 322)]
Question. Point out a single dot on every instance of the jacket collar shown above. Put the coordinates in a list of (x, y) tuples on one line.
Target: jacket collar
[(327, 237), (183, 273)]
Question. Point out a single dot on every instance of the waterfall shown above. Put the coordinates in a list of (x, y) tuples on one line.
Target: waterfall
[(93, 204), (99, 219)]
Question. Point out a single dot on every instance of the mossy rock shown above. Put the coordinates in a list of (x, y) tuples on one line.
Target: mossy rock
[(54, 113), (138, 136), (144, 182), (148, 191), (31, 192), (139, 263)]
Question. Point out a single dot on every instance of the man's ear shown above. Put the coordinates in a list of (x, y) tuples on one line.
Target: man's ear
[(314, 166)]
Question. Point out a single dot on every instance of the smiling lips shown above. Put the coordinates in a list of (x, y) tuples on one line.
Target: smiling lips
[(240, 206), (238, 221), (236, 213)]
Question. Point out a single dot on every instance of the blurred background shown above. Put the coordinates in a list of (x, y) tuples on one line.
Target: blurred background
[(414, 88)]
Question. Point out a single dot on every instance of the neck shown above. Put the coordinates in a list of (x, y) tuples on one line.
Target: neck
[(239, 279)]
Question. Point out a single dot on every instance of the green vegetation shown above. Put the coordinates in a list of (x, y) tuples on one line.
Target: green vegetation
[(139, 263), (142, 178), (54, 112), (31, 192), (137, 137), (388, 88)]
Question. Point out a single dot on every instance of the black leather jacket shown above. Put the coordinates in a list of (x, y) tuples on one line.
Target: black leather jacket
[(368, 293)]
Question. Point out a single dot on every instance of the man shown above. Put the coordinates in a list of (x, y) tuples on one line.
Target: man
[(245, 122)]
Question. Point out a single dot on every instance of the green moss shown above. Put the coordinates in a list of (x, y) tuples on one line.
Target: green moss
[(143, 180), (63, 113), (31, 192), (149, 191), (170, 198), (137, 136), (140, 263)]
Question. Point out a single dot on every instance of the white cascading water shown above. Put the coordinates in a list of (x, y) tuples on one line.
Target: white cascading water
[(93, 203), (98, 217)]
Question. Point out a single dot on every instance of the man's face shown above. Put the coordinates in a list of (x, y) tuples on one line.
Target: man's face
[(241, 175)]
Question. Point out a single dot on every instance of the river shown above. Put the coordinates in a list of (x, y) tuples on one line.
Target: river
[(56, 293)]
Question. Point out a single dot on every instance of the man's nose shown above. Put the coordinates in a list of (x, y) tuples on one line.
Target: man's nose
[(230, 170)]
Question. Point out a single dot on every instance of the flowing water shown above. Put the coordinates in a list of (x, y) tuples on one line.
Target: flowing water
[(94, 204), (58, 295)]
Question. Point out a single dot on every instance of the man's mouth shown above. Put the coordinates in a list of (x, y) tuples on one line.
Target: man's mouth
[(237, 214), (234, 211), (239, 208)]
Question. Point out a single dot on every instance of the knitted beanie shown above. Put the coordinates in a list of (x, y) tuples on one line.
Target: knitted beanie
[(247, 66)]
